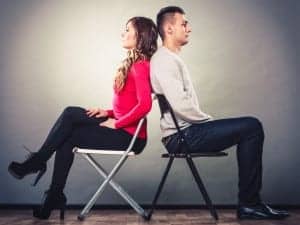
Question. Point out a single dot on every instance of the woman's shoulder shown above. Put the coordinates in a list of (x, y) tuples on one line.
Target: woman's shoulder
[(141, 63), (140, 67)]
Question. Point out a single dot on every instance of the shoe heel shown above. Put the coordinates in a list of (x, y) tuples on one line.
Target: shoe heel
[(39, 175), (62, 212), (27, 149)]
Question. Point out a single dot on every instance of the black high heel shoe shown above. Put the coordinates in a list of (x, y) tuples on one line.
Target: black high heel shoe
[(52, 200), (32, 164)]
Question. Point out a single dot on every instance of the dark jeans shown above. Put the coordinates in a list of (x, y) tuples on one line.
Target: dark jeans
[(213, 136), (75, 128)]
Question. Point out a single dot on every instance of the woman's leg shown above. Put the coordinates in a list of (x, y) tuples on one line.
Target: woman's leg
[(95, 137), (86, 136), (71, 118)]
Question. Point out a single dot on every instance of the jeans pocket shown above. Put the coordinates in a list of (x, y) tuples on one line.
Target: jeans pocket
[(195, 136)]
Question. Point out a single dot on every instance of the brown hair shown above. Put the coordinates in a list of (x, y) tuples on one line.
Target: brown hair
[(146, 33)]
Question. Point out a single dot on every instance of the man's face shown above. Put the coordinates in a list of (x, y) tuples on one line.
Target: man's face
[(180, 29)]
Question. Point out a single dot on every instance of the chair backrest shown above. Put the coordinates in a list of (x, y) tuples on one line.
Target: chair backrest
[(137, 131), (165, 107)]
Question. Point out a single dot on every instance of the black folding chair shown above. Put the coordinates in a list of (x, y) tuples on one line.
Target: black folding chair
[(183, 153)]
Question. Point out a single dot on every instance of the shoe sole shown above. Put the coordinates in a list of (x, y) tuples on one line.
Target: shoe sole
[(251, 217)]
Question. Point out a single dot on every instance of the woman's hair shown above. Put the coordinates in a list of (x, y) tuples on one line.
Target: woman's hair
[(146, 45)]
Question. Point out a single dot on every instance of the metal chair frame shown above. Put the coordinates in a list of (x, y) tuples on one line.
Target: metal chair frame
[(89, 154), (184, 153)]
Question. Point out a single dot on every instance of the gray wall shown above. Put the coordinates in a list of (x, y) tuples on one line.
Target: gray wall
[(244, 60)]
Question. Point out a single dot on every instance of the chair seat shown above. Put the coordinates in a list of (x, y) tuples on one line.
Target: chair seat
[(193, 155), (101, 151)]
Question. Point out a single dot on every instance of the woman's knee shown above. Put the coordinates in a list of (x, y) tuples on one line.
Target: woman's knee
[(70, 111)]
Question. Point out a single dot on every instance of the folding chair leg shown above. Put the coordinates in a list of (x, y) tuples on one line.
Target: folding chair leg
[(92, 201), (202, 188), (116, 186), (160, 187)]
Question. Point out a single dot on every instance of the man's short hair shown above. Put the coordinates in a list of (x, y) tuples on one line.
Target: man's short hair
[(166, 14)]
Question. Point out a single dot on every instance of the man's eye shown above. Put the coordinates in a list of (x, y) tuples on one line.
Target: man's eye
[(185, 24)]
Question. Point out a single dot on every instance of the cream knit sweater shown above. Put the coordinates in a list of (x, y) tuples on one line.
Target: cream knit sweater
[(170, 77)]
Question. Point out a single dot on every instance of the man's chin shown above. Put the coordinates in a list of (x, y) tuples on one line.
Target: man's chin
[(185, 42)]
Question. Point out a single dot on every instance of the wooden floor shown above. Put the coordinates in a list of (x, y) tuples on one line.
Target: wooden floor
[(129, 217)]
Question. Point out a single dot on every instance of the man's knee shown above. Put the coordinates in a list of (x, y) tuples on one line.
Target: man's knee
[(255, 125)]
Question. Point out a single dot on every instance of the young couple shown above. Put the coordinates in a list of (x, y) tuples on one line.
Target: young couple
[(98, 128)]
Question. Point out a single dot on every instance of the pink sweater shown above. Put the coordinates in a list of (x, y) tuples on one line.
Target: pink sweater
[(134, 101)]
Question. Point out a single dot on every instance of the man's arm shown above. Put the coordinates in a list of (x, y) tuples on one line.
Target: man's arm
[(166, 78)]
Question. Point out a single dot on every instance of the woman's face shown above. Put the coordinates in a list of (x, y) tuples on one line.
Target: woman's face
[(129, 37)]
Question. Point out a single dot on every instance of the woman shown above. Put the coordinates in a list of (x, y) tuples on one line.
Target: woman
[(98, 128)]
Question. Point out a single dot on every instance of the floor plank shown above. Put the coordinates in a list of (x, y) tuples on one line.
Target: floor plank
[(129, 217)]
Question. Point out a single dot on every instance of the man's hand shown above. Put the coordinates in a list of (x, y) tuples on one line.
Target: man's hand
[(97, 112), (110, 123)]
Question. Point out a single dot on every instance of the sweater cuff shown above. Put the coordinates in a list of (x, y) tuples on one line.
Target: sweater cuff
[(110, 113)]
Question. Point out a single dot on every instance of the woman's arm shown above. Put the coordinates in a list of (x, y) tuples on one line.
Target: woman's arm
[(141, 76), (110, 113)]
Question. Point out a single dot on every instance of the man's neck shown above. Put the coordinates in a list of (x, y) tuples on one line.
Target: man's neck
[(172, 46)]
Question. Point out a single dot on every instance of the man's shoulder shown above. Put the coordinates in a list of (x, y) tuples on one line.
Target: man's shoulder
[(162, 56)]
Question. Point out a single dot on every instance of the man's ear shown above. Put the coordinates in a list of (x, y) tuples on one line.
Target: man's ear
[(169, 29)]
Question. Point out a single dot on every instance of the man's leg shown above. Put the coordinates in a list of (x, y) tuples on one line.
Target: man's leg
[(248, 134), (218, 135)]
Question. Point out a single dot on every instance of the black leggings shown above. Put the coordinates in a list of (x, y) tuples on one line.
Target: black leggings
[(75, 128)]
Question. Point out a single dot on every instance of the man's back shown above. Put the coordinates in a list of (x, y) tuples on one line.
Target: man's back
[(170, 77)]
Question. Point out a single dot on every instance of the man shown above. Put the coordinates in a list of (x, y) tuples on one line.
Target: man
[(170, 77)]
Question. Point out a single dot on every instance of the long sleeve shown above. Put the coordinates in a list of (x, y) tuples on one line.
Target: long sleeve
[(110, 113), (140, 76), (168, 78)]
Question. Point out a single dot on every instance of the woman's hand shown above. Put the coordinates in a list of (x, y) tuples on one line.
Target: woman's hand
[(110, 123), (97, 112)]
